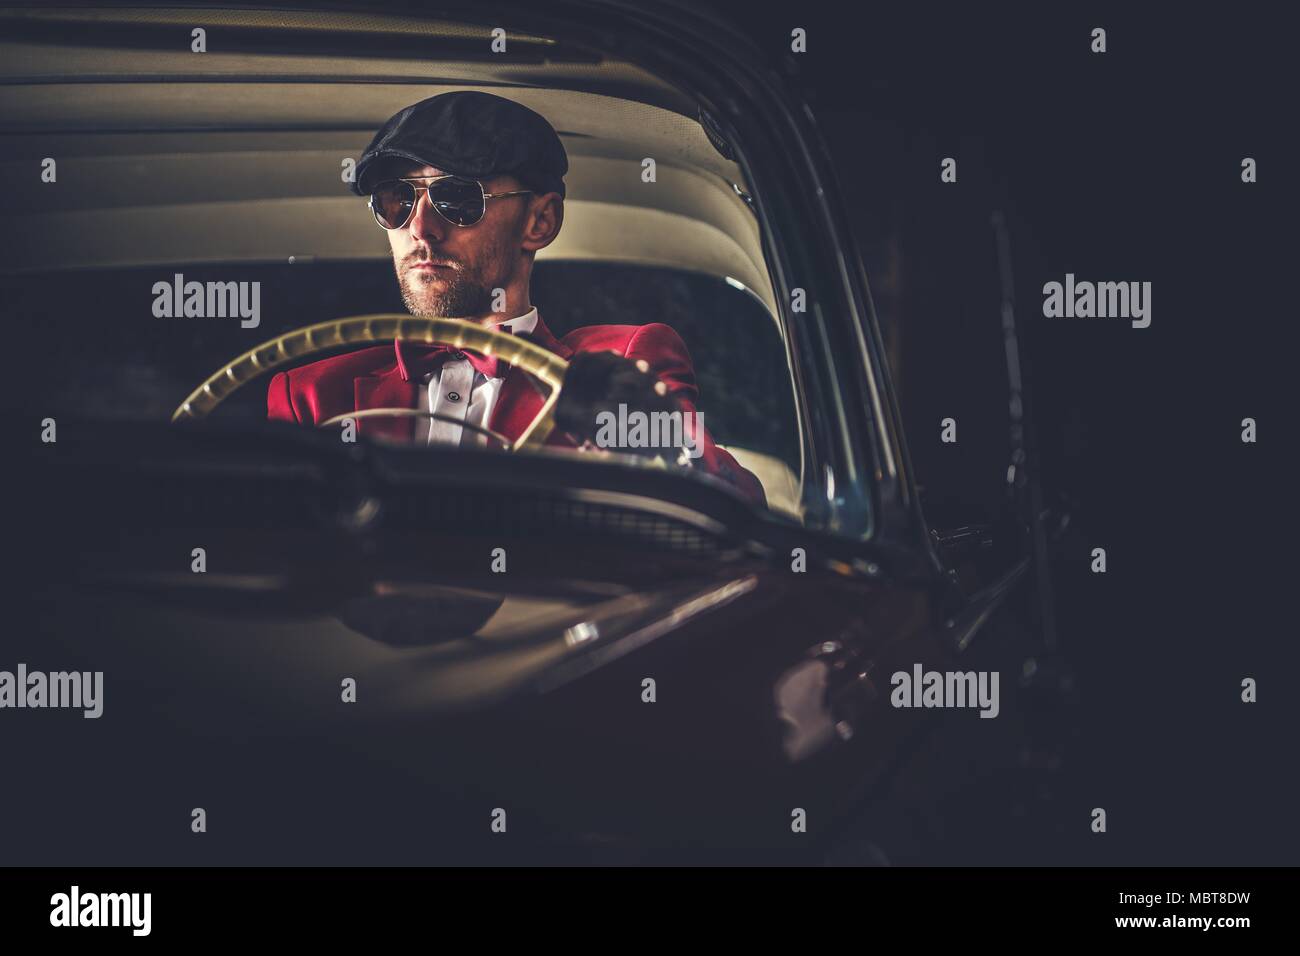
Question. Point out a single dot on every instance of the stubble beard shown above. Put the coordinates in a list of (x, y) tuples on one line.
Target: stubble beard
[(458, 293)]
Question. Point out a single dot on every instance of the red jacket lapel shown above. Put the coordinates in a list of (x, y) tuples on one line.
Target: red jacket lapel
[(521, 396)]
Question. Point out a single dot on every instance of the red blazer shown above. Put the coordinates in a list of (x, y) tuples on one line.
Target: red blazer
[(387, 376)]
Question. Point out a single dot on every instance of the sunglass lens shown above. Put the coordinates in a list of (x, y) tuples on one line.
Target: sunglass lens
[(459, 200), (392, 203)]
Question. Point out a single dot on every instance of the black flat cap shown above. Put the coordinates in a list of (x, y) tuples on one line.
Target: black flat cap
[(470, 134)]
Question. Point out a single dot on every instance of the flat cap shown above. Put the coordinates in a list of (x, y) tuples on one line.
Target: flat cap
[(471, 134)]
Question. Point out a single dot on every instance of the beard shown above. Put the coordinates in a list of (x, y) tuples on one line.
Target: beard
[(458, 293)]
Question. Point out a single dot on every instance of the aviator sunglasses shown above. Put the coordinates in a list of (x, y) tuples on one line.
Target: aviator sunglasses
[(460, 201)]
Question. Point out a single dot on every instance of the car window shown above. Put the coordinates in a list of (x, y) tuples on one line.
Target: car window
[(735, 346), (243, 185), (118, 361)]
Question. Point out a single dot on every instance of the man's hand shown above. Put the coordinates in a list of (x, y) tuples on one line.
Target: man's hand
[(598, 382)]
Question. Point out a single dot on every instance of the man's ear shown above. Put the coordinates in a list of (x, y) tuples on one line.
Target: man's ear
[(545, 217)]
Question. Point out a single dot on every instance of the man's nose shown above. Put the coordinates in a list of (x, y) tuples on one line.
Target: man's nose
[(426, 224)]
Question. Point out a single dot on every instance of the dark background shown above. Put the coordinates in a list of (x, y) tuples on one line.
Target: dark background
[(1122, 166)]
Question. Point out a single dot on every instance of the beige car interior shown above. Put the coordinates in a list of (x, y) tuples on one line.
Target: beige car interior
[(254, 146)]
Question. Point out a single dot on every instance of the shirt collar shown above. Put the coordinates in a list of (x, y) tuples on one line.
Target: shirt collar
[(522, 323), (407, 351)]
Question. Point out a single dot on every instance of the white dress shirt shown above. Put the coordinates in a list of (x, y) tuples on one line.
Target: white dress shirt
[(458, 390)]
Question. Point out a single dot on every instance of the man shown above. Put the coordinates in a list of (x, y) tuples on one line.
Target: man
[(469, 186)]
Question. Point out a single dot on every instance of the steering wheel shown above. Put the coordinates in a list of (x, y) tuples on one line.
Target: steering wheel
[(547, 367)]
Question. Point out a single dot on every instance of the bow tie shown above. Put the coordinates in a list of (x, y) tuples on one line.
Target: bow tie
[(427, 358)]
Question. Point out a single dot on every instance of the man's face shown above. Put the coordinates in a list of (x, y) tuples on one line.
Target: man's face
[(452, 271)]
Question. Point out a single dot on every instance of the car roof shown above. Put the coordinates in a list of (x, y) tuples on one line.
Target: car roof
[(236, 154)]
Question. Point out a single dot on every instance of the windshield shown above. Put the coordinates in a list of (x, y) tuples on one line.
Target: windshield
[(179, 225)]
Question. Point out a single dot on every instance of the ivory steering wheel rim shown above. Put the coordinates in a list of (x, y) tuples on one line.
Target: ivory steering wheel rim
[(545, 366)]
